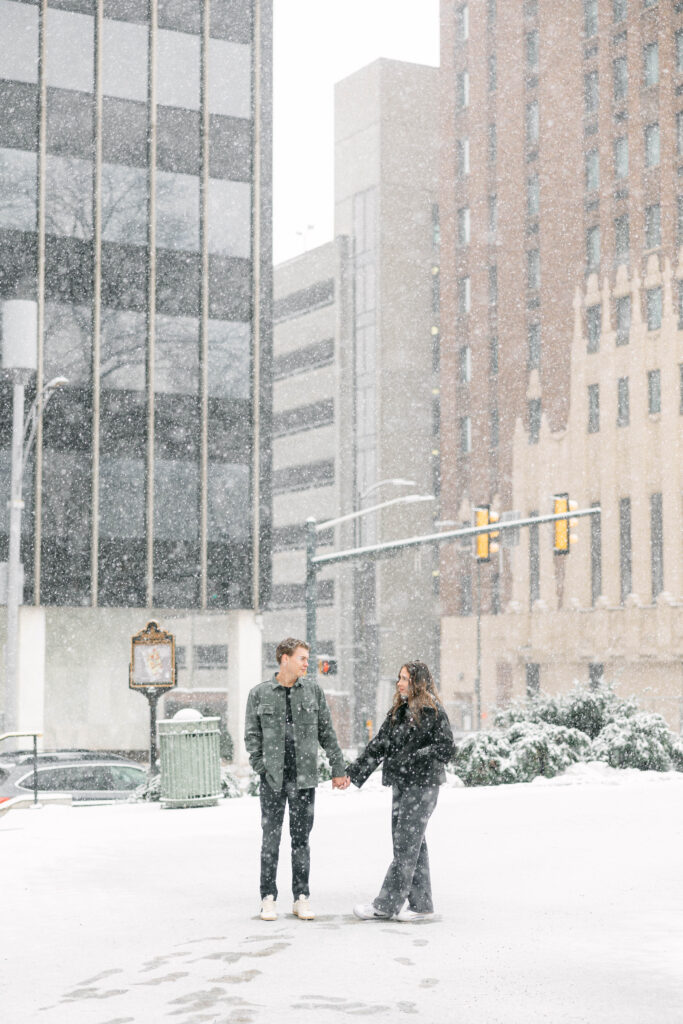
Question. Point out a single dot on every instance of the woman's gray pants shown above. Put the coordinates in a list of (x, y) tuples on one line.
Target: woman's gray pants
[(408, 874)]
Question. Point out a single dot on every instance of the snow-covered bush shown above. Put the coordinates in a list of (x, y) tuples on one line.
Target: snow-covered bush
[(539, 748), (587, 710), (484, 759), (642, 741), (544, 735)]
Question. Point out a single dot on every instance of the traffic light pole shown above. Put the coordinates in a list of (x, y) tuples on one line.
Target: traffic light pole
[(315, 562)]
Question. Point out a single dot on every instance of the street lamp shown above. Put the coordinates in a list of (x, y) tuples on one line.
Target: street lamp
[(312, 530), (19, 360)]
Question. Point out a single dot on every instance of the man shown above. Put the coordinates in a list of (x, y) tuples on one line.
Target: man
[(287, 717)]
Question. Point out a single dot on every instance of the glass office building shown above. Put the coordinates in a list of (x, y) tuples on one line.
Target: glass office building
[(135, 199)]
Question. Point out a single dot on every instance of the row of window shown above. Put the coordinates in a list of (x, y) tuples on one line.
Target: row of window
[(622, 307), (619, 13), (654, 400), (70, 47), (620, 77)]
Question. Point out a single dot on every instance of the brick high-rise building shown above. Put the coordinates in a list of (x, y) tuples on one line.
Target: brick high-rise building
[(562, 212)]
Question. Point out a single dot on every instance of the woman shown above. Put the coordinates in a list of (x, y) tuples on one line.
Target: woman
[(414, 743)]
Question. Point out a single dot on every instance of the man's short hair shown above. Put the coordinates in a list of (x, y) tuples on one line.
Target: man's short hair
[(288, 647)]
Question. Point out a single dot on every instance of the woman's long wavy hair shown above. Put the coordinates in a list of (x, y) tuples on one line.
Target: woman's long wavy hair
[(422, 692)]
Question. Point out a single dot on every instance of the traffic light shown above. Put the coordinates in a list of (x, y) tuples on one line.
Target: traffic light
[(327, 666), (564, 538), (484, 543)]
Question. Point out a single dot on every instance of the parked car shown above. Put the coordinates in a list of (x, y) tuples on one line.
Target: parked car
[(85, 776)]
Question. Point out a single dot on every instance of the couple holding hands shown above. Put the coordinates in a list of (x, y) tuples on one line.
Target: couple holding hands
[(287, 719)]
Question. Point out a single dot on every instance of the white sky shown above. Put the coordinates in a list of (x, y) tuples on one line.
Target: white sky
[(317, 43)]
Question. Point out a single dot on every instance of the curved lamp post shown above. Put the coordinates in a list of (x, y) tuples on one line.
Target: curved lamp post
[(19, 352)]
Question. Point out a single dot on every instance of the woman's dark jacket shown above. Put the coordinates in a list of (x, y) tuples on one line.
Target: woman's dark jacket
[(412, 749)]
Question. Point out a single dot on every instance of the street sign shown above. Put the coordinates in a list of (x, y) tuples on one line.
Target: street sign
[(152, 662)]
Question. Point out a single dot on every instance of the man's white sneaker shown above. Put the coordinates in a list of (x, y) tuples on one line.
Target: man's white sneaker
[(302, 908), (268, 909), (406, 914), (368, 912)]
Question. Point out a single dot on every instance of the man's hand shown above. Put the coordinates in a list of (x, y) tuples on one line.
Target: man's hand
[(341, 782)]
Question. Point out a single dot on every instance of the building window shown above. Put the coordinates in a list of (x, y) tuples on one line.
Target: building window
[(593, 327), (463, 89), (534, 562), (532, 196), (465, 364), (593, 408), (656, 545), (493, 286), (591, 98), (532, 50), (532, 124), (464, 296), (593, 248), (621, 157), (493, 215), (625, 567), (494, 428), (620, 79), (652, 145), (596, 555), (596, 670), (465, 435), (623, 310), (533, 270), (619, 10), (463, 23), (492, 143), (463, 157), (534, 346), (464, 225), (651, 64), (493, 73), (465, 593), (533, 679), (590, 17), (653, 306), (592, 170), (534, 420), (679, 133), (654, 391), (679, 50), (649, 3), (653, 226), (679, 220), (491, 12), (622, 239), (623, 408), (493, 355)]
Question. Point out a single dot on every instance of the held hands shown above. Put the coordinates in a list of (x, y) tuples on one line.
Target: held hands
[(341, 782)]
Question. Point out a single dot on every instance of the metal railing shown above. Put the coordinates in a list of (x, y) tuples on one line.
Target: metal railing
[(20, 735)]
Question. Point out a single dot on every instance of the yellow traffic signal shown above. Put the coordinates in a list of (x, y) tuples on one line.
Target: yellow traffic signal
[(564, 538), (482, 541)]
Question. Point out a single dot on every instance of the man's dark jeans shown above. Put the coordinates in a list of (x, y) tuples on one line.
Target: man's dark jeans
[(301, 807), (408, 874)]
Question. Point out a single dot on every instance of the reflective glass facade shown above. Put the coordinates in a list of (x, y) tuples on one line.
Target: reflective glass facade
[(135, 140)]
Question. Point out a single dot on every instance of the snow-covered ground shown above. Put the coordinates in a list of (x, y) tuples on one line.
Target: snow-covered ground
[(558, 902)]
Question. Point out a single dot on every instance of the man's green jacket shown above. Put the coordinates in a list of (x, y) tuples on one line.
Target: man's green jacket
[(264, 732)]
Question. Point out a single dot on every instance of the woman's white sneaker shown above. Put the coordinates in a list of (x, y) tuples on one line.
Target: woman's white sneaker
[(302, 909), (268, 909), (406, 914), (368, 912)]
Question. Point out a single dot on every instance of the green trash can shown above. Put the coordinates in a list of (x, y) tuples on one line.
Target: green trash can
[(189, 748)]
